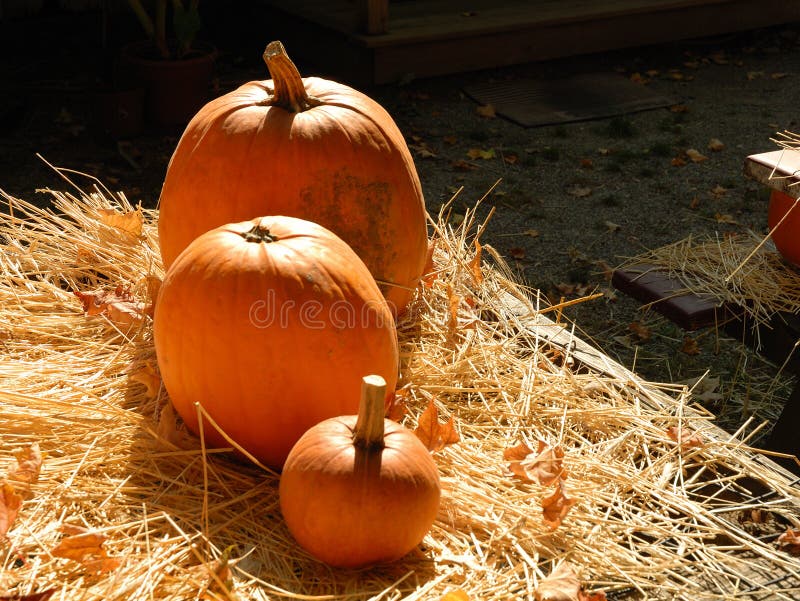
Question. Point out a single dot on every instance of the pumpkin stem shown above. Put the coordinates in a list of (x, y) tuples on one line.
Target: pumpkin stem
[(290, 91), (368, 432), (259, 233)]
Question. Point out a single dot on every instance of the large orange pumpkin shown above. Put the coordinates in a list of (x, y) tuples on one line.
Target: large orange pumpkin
[(359, 490), (305, 147), (270, 325)]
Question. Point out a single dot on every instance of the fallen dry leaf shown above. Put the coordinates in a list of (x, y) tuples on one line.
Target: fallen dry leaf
[(119, 305), (544, 466), (685, 438), (696, 156), (517, 253), (149, 377), (556, 507), (562, 584), (579, 191), (487, 110), (679, 108), (640, 331), (434, 435), (587, 164), (10, 502), (689, 346), (719, 191), (477, 153), (611, 226), (715, 145), (725, 218), (789, 541), (397, 407), (462, 165), (85, 547), (26, 467), (678, 162), (778, 75), (475, 264), (130, 222)]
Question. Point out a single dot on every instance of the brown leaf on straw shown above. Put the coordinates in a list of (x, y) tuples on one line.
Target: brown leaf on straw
[(685, 438), (10, 502), (149, 377), (428, 272), (168, 429), (456, 595), (85, 547), (556, 507), (397, 408), (544, 466), (789, 541), (434, 435), (43, 596), (220, 582), (562, 584), (475, 264), (690, 346), (130, 222), (119, 305), (26, 467)]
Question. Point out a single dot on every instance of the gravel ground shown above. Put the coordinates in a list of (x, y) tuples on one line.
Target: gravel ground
[(570, 201)]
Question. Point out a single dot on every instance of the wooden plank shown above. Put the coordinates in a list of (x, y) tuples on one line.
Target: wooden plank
[(778, 169), (373, 16)]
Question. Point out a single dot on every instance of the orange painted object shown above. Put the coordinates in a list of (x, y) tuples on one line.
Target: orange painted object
[(270, 325), (359, 490), (305, 147), (787, 235)]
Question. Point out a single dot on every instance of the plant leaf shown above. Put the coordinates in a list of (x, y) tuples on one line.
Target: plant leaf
[(130, 222), (85, 547), (434, 435), (544, 466)]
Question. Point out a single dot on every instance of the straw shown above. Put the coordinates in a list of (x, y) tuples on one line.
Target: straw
[(651, 519)]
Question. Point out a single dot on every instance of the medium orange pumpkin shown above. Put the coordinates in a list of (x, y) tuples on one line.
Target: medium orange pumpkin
[(270, 324), (305, 147), (786, 234), (359, 490)]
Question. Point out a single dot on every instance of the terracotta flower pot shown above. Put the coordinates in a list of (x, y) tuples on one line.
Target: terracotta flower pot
[(175, 89)]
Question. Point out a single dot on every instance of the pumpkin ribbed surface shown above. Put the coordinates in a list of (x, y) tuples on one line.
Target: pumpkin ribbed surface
[(313, 149), (270, 325)]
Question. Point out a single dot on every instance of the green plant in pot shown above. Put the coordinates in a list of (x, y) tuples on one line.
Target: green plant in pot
[(174, 69)]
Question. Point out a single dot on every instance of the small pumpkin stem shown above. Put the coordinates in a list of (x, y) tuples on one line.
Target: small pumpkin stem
[(368, 432), (259, 233), (290, 91)]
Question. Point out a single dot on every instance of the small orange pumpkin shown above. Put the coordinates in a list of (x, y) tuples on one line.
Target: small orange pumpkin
[(270, 324), (359, 490), (305, 147), (787, 235)]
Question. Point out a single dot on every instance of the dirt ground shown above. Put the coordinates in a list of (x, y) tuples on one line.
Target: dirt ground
[(570, 201)]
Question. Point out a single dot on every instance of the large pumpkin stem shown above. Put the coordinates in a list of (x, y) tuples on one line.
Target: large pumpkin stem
[(290, 91), (368, 432), (259, 233)]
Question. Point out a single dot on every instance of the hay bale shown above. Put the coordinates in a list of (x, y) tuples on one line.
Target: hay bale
[(646, 516)]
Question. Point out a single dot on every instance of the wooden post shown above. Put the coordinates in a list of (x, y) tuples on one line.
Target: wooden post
[(373, 16)]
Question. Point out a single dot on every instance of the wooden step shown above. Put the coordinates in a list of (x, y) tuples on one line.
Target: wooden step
[(424, 38)]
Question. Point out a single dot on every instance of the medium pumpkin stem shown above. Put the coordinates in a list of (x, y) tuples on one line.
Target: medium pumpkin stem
[(259, 233), (290, 91), (368, 432)]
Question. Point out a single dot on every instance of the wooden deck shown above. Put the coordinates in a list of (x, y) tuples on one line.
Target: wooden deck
[(423, 38)]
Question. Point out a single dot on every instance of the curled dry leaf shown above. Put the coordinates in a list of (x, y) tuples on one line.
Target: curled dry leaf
[(695, 155), (544, 466), (434, 435), (685, 438), (149, 377), (130, 222), (26, 467), (475, 264), (397, 408), (556, 507), (85, 547), (10, 502), (119, 305), (789, 541)]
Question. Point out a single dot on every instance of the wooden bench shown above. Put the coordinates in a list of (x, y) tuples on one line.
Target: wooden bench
[(779, 170)]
